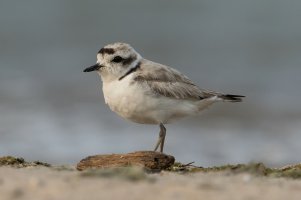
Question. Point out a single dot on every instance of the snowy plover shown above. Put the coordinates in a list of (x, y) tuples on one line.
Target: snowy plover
[(147, 92)]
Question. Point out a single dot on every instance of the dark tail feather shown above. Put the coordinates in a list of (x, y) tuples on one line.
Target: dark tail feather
[(231, 97)]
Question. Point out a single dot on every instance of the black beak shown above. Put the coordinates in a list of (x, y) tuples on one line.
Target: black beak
[(93, 68)]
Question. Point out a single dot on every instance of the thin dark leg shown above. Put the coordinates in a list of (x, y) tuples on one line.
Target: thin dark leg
[(161, 138)]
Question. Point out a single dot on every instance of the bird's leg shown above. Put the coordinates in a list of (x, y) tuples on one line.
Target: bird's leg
[(162, 135), (161, 138)]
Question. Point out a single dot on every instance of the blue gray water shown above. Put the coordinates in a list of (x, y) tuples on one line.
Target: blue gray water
[(51, 111)]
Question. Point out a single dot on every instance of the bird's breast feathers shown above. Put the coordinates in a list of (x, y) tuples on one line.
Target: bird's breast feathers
[(125, 98)]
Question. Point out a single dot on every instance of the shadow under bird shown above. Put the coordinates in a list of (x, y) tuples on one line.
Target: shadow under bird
[(146, 92)]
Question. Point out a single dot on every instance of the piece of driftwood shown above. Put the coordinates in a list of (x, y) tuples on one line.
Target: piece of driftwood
[(149, 160)]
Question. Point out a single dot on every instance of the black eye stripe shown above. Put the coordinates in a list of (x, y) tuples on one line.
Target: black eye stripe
[(125, 61), (129, 60), (117, 59)]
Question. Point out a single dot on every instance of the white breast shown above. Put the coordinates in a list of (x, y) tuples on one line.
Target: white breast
[(124, 98)]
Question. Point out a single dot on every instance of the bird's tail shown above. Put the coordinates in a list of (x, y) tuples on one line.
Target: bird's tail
[(231, 97)]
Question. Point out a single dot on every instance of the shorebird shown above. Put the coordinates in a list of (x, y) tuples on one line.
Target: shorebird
[(146, 92)]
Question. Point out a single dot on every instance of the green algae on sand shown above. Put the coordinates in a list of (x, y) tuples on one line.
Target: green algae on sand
[(20, 162), (258, 169)]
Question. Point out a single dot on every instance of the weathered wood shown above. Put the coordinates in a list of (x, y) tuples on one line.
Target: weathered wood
[(150, 160)]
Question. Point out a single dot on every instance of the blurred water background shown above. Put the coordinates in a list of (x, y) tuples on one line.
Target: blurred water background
[(51, 111)]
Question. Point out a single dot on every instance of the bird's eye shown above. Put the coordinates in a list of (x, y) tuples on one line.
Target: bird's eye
[(117, 59)]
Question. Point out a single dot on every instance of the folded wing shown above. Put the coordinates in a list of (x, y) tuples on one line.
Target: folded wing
[(169, 82)]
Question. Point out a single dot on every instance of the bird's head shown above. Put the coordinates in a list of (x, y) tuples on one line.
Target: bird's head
[(114, 60)]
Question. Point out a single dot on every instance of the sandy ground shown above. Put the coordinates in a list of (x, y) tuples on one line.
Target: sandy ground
[(47, 183)]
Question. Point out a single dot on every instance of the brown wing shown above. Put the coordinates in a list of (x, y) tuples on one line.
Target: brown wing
[(169, 82)]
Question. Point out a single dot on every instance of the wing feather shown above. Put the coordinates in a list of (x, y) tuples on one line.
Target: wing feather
[(169, 82)]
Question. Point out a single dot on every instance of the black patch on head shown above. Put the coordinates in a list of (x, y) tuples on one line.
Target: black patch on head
[(130, 71), (106, 50)]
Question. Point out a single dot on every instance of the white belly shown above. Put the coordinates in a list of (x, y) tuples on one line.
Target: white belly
[(135, 102)]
